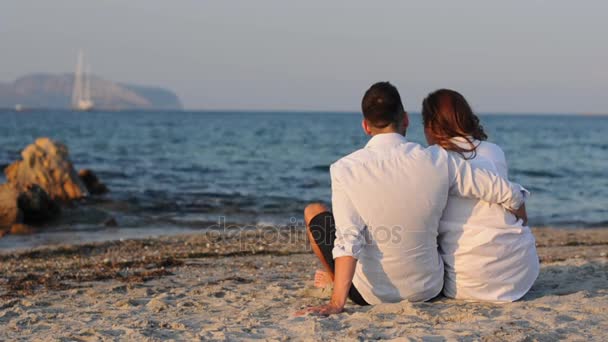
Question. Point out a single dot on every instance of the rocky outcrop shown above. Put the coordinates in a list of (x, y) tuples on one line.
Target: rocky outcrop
[(9, 210), (39, 183), (37, 206), (19, 208), (91, 182), (21, 229), (46, 163), (11, 215)]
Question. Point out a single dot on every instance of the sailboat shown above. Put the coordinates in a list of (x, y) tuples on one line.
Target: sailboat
[(81, 95)]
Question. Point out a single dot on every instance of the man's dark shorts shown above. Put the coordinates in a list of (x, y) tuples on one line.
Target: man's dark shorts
[(323, 230)]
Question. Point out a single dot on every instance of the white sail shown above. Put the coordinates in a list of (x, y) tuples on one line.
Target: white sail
[(87, 85), (76, 93), (81, 95)]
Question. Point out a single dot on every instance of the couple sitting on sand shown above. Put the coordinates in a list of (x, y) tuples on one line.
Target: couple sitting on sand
[(409, 222)]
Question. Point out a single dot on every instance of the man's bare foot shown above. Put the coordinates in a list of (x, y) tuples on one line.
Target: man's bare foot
[(322, 279)]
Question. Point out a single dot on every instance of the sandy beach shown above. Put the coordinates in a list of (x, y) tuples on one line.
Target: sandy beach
[(248, 285)]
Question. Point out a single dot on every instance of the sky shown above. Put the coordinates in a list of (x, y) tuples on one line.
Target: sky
[(503, 56)]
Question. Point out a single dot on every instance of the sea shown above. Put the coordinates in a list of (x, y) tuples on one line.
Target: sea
[(173, 172)]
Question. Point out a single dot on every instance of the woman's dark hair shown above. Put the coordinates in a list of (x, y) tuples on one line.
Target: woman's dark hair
[(446, 114)]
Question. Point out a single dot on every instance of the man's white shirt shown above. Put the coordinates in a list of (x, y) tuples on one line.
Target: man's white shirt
[(387, 201)]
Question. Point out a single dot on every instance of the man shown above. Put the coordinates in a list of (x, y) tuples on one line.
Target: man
[(380, 244)]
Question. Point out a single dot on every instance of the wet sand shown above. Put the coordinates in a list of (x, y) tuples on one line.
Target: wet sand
[(248, 285)]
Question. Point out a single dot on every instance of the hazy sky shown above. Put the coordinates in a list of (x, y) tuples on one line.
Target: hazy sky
[(506, 56)]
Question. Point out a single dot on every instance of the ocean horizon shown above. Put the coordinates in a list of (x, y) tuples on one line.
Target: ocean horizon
[(25, 110)]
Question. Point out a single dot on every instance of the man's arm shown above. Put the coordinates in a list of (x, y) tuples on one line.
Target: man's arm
[(347, 247), (466, 181), (521, 214), (343, 278)]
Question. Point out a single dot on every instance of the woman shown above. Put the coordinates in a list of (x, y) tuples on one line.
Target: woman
[(488, 253)]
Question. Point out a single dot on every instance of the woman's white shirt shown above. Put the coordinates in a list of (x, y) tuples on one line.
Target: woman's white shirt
[(489, 255)]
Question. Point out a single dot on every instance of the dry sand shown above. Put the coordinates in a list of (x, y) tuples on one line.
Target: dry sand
[(218, 287)]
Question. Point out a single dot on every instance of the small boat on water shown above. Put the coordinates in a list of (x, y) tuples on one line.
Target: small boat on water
[(18, 108), (81, 95)]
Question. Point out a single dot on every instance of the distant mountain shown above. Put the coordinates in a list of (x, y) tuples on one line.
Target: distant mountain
[(55, 91)]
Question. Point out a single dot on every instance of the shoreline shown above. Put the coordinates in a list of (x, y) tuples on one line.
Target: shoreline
[(45, 238), (234, 286)]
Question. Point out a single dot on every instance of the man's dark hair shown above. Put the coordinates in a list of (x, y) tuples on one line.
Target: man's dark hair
[(381, 105)]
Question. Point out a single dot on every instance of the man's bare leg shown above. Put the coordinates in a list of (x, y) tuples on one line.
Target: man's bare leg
[(322, 278)]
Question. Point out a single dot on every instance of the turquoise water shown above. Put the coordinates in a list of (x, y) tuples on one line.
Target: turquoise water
[(175, 171)]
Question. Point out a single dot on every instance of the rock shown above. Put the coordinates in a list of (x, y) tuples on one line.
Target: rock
[(111, 222), (21, 229), (91, 182), (37, 206), (46, 163), (9, 210)]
